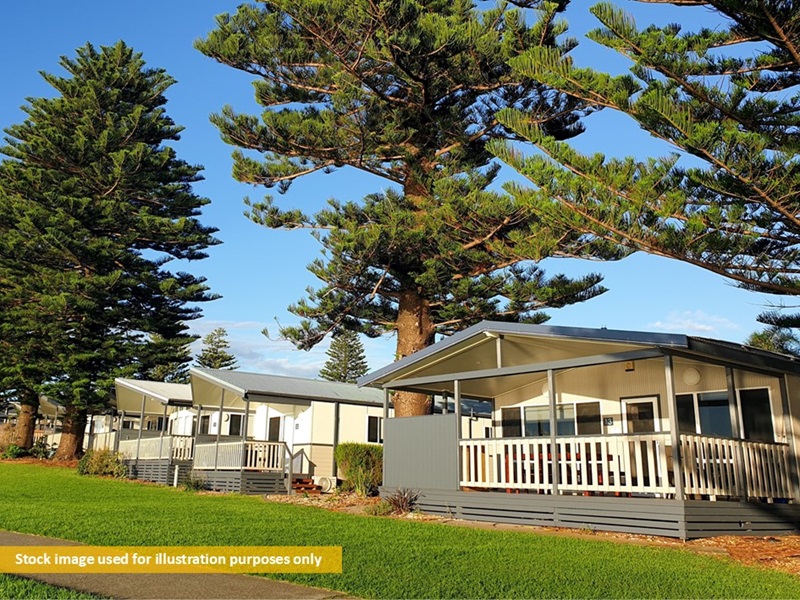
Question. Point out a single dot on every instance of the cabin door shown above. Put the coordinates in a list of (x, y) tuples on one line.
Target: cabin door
[(640, 415)]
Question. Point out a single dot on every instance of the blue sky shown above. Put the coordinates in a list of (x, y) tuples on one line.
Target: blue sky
[(258, 272)]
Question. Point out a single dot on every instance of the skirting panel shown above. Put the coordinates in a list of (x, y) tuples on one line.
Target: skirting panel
[(155, 470), (647, 516), (245, 483)]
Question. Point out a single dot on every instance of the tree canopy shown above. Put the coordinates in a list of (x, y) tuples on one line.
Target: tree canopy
[(93, 205), (725, 98), (407, 92)]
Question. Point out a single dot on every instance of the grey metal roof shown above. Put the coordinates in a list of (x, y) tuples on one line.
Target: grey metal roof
[(247, 384), (501, 328)]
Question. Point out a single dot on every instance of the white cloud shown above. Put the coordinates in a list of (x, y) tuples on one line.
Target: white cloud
[(695, 321)]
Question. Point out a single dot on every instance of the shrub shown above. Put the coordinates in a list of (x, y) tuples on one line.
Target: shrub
[(381, 509), (194, 483), (41, 449), (13, 451), (402, 501), (102, 462), (361, 466)]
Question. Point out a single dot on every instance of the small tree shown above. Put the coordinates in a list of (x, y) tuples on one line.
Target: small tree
[(346, 360), (214, 354)]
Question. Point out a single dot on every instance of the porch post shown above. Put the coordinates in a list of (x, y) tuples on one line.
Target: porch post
[(244, 430), (246, 420), (554, 459), (457, 407), (445, 408), (741, 480), (141, 426), (385, 403), (336, 437), (119, 431), (161, 433), (219, 427), (91, 432), (197, 433), (790, 439), (675, 438), (457, 400), (498, 345)]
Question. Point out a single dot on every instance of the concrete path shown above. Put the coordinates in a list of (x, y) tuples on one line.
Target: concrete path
[(217, 586)]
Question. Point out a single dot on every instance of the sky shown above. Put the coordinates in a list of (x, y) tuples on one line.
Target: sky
[(259, 272)]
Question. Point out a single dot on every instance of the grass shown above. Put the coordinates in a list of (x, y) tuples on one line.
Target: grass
[(19, 587), (383, 558)]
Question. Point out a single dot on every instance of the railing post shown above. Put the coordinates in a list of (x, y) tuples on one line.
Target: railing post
[(196, 433), (675, 437), (119, 431), (554, 460)]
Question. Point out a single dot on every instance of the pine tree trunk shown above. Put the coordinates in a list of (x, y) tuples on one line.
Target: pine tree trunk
[(71, 444), (26, 423), (415, 331), (26, 420)]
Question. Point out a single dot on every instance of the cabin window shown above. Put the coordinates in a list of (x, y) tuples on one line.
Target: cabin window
[(375, 430), (512, 422), (588, 419), (571, 419), (757, 415), (708, 413), (204, 423), (686, 419), (236, 425), (715, 415)]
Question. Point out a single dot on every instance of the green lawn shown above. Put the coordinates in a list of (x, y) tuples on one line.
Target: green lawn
[(18, 587), (383, 558)]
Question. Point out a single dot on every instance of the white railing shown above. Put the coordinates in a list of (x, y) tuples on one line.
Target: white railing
[(100, 441), (264, 456), (223, 456), (715, 466), (148, 448), (182, 447), (247, 456), (626, 463)]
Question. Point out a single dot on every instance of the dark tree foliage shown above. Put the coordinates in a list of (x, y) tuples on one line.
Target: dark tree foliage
[(408, 92), (724, 96), (92, 207)]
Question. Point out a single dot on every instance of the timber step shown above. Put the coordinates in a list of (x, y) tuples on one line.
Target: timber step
[(305, 486)]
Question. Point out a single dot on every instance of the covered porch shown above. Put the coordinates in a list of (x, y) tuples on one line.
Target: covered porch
[(246, 442), (152, 449), (622, 427)]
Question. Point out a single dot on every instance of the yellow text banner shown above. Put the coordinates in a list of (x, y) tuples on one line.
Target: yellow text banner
[(170, 559)]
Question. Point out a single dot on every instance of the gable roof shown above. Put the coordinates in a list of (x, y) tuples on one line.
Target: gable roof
[(260, 387), (525, 348), (129, 394)]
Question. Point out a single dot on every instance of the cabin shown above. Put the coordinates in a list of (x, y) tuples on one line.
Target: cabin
[(263, 433), (652, 433)]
